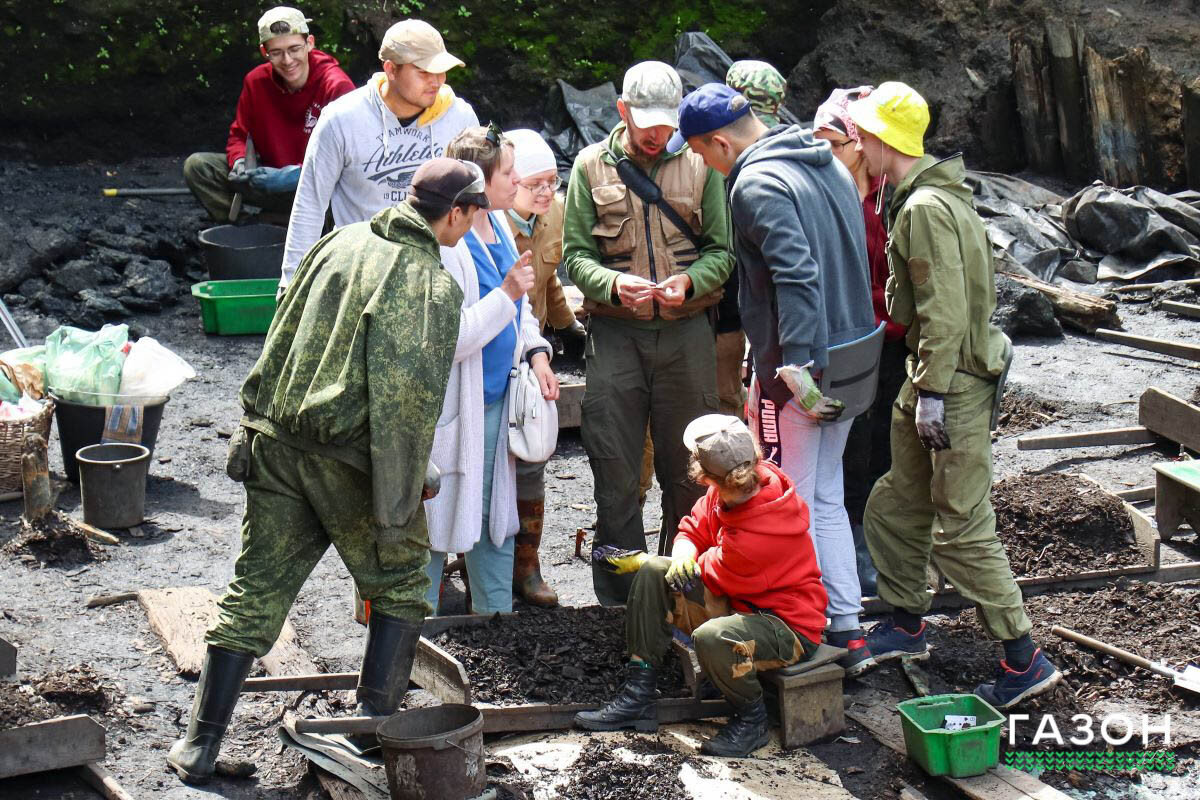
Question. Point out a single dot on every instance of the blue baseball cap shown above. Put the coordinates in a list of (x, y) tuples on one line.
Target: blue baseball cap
[(709, 108)]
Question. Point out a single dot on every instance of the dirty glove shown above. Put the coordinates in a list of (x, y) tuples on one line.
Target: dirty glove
[(813, 404), (238, 173), (433, 482), (275, 181), (617, 560), (682, 574), (574, 330), (931, 421)]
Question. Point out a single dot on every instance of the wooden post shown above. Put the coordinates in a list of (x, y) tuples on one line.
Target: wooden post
[(35, 478), (1191, 132), (1117, 93), (1063, 44), (1034, 90)]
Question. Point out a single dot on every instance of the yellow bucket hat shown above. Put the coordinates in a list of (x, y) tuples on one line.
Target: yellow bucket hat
[(896, 114)]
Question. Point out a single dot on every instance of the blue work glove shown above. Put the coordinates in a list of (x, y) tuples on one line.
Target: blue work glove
[(274, 180)]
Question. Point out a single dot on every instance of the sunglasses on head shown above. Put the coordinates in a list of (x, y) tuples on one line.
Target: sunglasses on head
[(494, 135), (475, 187)]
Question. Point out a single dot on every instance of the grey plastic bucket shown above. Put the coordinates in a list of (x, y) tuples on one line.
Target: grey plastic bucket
[(238, 252), (434, 753), (112, 480)]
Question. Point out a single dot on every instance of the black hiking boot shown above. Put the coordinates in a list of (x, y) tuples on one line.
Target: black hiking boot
[(635, 706), (194, 756), (386, 664), (745, 732)]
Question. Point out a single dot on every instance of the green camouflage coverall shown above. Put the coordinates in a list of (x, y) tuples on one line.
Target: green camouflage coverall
[(340, 414)]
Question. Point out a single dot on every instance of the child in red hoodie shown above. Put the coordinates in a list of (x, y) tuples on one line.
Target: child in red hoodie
[(742, 579)]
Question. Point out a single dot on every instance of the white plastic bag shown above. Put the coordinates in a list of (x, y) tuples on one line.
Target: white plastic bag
[(152, 370)]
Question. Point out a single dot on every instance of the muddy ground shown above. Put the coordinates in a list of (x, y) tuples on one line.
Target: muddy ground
[(193, 514)]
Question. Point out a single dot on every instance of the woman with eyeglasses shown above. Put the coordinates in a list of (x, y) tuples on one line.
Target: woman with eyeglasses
[(868, 450), (476, 511)]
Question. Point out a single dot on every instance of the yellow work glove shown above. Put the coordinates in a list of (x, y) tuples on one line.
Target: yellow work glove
[(682, 573), (619, 561)]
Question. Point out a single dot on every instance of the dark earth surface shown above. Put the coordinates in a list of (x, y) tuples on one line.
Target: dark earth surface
[(193, 515)]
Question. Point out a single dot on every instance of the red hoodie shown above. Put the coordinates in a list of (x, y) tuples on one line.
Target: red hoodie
[(759, 554), (280, 121), (877, 260)]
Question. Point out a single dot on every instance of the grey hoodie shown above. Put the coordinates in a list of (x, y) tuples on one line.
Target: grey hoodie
[(801, 248)]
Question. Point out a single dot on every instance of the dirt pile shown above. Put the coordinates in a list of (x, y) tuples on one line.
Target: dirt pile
[(1062, 524), (558, 655), (601, 773), (76, 690), (54, 542), (1021, 410)]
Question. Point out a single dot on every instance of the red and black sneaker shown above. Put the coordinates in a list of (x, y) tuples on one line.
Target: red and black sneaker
[(858, 660)]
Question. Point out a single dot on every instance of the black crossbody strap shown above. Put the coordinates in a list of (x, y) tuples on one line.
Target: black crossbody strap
[(644, 187)]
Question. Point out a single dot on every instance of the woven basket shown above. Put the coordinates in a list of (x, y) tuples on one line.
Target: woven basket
[(12, 440)]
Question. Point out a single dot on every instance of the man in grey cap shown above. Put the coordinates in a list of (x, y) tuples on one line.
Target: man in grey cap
[(280, 104), (742, 580), (367, 146), (648, 282), (334, 444)]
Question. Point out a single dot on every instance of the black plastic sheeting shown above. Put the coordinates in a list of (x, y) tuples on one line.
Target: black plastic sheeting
[(1099, 233)]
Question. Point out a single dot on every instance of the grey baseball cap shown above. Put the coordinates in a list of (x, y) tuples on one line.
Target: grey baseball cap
[(652, 92), (721, 442), (281, 21)]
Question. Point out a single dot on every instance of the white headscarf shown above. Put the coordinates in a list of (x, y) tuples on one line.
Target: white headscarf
[(531, 154)]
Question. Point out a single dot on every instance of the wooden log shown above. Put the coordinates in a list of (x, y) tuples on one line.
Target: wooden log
[(35, 478), (1147, 287), (54, 744), (1036, 108), (102, 781), (1117, 91), (102, 600), (8, 658), (1063, 43), (1170, 416), (1079, 310), (1167, 347), (180, 616), (1182, 309), (1102, 438), (332, 681), (1190, 122)]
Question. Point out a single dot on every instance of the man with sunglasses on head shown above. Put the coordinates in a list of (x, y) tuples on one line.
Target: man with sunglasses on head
[(368, 145), (648, 282), (280, 104)]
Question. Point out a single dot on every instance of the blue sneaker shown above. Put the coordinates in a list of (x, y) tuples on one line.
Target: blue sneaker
[(887, 642), (1011, 687), (858, 657)]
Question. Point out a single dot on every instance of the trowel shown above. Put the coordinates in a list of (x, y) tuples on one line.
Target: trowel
[(235, 208), (1188, 680)]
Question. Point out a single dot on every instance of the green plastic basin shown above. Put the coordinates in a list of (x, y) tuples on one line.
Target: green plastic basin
[(236, 307), (959, 754)]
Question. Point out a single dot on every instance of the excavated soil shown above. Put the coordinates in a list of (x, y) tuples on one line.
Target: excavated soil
[(54, 542), (1021, 411), (559, 655), (76, 690), (601, 774), (20, 705), (1062, 524)]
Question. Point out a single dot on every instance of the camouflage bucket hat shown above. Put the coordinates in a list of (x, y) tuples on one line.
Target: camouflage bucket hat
[(762, 85)]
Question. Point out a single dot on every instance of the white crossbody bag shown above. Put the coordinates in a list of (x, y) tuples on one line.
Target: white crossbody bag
[(532, 420)]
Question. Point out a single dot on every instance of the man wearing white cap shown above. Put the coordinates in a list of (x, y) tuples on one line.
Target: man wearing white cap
[(280, 104), (647, 281), (368, 145)]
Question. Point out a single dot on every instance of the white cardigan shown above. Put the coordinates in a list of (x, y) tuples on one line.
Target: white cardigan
[(455, 516)]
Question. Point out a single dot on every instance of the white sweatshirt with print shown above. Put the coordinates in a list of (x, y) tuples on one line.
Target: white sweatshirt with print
[(360, 160)]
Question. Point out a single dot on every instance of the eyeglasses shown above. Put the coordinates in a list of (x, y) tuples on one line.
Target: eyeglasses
[(494, 135), (548, 186), (295, 51), (840, 145)]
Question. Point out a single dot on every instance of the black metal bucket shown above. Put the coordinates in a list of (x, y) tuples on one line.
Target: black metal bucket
[(434, 753), (80, 425), (239, 252), (112, 482)]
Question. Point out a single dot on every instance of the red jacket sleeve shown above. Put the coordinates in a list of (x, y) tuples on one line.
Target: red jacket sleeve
[(697, 527), (235, 147)]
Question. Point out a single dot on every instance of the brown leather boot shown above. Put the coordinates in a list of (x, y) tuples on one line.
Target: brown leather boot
[(527, 572)]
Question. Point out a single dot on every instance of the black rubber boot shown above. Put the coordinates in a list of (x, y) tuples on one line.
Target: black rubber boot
[(387, 663), (745, 732), (194, 756), (635, 706)]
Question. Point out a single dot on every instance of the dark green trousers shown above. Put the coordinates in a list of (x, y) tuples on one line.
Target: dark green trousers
[(207, 175), (297, 503), (663, 376), (732, 647)]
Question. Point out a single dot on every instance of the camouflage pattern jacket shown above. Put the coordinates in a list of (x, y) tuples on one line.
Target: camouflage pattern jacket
[(357, 358)]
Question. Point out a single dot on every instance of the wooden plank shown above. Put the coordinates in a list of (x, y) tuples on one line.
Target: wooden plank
[(8, 658), (1102, 438), (1147, 287), (53, 744), (1139, 495), (440, 673), (1170, 416), (332, 681), (1182, 309), (102, 781), (337, 788), (180, 616), (1167, 347), (570, 405)]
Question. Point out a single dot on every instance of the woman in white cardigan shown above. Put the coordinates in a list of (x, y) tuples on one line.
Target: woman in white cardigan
[(476, 510)]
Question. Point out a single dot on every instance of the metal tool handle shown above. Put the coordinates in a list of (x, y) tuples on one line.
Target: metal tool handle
[(347, 726), (1115, 652)]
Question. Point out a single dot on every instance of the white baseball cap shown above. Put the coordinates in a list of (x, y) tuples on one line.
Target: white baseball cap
[(281, 21), (652, 92), (412, 41)]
